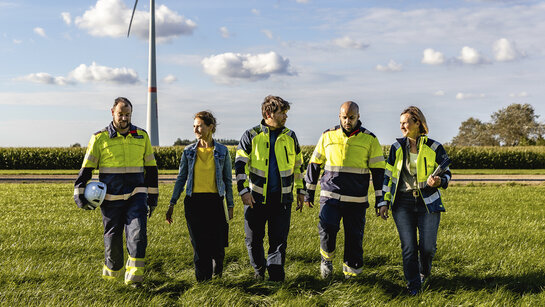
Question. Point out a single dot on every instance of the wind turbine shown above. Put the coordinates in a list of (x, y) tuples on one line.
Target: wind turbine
[(152, 125)]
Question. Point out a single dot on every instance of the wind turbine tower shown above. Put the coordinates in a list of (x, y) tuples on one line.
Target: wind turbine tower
[(152, 125)]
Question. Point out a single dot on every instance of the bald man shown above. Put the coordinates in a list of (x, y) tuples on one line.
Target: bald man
[(349, 155)]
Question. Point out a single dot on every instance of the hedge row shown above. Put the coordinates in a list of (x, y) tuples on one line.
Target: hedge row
[(530, 157)]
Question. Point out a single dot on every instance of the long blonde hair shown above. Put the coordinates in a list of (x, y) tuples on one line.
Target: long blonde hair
[(417, 116)]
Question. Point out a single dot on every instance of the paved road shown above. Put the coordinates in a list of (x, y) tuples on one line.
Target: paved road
[(457, 179)]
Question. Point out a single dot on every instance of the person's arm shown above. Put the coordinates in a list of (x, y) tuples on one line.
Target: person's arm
[(444, 178), (90, 162), (178, 186), (387, 183), (313, 171), (151, 176), (242, 160), (228, 181), (376, 164)]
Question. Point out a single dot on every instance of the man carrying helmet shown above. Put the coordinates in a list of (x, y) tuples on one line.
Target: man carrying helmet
[(124, 157)]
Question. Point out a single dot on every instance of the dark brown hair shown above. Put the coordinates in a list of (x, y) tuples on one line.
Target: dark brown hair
[(122, 100), (208, 118), (271, 104)]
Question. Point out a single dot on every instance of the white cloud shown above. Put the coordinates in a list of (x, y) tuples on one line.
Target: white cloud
[(302, 1), (392, 66), (462, 96), (170, 79), (110, 18), (97, 73), (44, 78), (268, 33), (504, 50), (349, 43), (519, 95), (86, 74), (227, 67), (67, 18), (439, 93), (432, 57), (256, 12), (40, 31), (225, 32), (17, 41), (471, 56)]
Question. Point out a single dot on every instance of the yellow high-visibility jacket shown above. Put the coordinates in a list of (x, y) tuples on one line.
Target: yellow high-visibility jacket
[(252, 163), (126, 165)]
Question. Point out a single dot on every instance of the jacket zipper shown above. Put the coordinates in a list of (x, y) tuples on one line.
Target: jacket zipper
[(426, 166), (287, 158)]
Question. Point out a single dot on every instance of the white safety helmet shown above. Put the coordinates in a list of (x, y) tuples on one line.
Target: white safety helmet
[(95, 192)]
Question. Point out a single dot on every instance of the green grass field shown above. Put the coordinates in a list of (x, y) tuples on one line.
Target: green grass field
[(491, 252)]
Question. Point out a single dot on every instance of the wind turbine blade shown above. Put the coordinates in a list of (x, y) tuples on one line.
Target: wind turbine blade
[(132, 16)]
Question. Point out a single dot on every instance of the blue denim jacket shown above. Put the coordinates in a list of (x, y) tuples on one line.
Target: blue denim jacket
[(224, 177)]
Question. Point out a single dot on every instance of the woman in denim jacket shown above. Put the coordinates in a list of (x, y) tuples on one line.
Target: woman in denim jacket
[(206, 168)]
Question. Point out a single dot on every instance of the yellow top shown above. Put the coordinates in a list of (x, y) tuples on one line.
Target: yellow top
[(204, 176)]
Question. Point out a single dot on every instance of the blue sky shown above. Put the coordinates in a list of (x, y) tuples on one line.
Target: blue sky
[(62, 63)]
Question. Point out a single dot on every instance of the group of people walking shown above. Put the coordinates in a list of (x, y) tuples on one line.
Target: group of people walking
[(269, 171)]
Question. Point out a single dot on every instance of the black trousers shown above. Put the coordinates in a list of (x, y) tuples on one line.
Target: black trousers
[(208, 230)]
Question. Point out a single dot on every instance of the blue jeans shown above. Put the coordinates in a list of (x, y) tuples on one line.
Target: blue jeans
[(410, 214)]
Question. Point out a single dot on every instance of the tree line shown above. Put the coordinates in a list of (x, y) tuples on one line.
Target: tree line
[(514, 125), (180, 142)]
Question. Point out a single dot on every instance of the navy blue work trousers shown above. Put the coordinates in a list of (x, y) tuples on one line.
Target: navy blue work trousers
[(129, 215), (353, 217), (277, 216)]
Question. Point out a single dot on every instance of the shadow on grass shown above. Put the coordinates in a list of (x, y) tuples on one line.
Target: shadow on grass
[(528, 283)]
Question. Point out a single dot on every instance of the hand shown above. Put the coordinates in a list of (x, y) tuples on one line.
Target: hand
[(383, 212), (88, 206), (169, 215), (230, 211), (434, 181), (300, 201), (248, 199)]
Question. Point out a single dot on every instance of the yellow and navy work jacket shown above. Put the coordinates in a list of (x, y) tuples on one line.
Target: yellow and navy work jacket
[(348, 162), (126, 165), (430, 155), (252, 163)]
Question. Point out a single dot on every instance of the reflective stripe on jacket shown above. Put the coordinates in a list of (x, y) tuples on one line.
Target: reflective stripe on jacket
[(252, 163), (348, 163), (126, 165), (430, 155)]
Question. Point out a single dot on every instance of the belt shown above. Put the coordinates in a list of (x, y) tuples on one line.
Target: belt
[(413, 193)]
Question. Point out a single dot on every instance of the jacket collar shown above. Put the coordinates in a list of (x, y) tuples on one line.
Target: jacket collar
[(266, 128), (356, 130), (113, 133)]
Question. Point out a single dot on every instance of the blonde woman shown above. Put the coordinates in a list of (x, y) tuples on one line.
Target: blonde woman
[(411, 188)]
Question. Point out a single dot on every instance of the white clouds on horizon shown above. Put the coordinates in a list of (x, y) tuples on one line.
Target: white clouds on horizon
[(267, 33), (86, 74), (522, 94), (170, 79), (348, 43), (471, 56), (108, 18), (225, 32), (228, 67), (392, 66), (432, 57), (462, 96), (67, 18), (504, 50), (40, 31), (439, 93)]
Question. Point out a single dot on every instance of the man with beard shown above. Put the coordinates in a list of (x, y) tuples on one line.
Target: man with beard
[(269, 166), (124, 156), (349, 153)]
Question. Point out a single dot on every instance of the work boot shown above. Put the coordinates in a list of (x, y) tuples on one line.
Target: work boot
[(326, 269)]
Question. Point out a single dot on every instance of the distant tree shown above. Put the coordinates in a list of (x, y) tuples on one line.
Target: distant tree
[(473, 132), (228, 141), (180, 142), (517, 124), (76, 145), (513, 125)]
